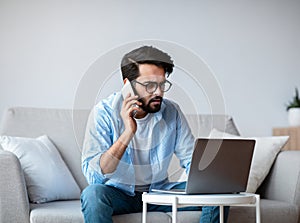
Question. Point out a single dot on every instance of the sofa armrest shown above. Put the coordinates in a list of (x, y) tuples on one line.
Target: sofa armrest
[(283, 181), (14, 204)]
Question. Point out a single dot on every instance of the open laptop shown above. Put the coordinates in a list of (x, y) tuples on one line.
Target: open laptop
[(218, 166)]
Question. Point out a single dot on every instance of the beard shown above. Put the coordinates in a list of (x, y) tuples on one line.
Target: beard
[(149, 107)]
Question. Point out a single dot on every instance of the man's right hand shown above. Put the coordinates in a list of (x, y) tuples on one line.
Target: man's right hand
[(127, 112), (110, 159)]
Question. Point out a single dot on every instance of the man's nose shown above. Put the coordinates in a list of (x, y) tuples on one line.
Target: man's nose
[(158, 91)]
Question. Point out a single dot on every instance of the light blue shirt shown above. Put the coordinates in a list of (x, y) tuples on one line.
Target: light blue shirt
[(171, 134)]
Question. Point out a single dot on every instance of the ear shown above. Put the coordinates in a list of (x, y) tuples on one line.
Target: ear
[(125, 80)]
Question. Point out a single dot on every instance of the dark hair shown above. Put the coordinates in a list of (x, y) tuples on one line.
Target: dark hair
[(145, 55)]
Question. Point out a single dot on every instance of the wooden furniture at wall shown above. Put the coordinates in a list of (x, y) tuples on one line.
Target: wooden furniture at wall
[(294, 133)]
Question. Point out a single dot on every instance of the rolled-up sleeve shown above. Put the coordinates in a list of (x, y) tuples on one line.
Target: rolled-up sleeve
[(98, 139)]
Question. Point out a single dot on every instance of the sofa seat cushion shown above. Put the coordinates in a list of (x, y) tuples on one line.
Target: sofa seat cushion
[(187, 216), (70, 211), (152, 217), (271, 211), (277, 211), (57, 211)]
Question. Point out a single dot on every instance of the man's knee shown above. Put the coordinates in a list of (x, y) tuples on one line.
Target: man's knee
[(94, 196), (92, 191), (96, 203)]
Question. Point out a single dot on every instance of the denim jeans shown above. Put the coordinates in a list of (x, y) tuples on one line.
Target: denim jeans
[(99, 202)]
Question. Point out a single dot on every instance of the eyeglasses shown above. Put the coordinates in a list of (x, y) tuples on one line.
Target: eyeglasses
[(152, 86)]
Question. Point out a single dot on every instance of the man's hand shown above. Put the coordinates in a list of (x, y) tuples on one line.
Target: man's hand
[(127, 112), (110, 159)]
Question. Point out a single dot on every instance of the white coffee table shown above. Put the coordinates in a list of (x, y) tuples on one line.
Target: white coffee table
[(221, 200)]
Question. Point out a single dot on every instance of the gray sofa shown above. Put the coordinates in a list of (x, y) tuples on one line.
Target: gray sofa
[(280, 192)]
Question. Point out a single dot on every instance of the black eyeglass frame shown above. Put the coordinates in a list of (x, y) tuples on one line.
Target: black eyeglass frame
[(147, 84)]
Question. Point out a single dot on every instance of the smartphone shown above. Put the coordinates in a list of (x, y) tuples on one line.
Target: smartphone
[(126, 89)]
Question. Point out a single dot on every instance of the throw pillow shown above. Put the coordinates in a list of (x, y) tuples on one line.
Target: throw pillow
[(265, 152), (47, 176)]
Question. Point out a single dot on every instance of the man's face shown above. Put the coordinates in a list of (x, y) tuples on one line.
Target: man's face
[(150, 73)]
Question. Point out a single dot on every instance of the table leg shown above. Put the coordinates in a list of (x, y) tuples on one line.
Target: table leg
[(221, 214), (144, 218), (174, 210), (257, 205)]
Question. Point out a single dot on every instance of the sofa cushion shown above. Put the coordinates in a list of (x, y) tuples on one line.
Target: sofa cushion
[(57, 211), (65, 128), (265, 152), (46, 175), (152, 217), (70, 211), (271, 211), (285, 171), (187, 216)]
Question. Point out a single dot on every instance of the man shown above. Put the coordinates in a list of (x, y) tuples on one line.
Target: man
[(129, 142)]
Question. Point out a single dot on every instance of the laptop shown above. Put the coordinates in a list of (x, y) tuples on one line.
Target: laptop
[(218, 166)]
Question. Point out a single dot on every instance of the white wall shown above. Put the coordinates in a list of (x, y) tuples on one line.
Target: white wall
[(252, 47)]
